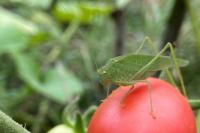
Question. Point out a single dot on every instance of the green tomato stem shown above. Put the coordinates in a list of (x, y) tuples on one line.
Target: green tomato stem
[(195, 104), (8, 125)]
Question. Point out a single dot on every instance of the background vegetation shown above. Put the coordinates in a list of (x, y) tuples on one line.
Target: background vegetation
[(50, 51)]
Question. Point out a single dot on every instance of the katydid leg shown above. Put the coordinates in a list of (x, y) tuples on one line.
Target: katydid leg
[(146, 67), (146, 39), (177, 69), (149, 94), (169, 75)]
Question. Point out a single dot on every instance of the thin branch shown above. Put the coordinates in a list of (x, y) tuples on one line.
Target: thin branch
[(39, 122), (194, 103), (173, 27), (118, 17), (174, 23)]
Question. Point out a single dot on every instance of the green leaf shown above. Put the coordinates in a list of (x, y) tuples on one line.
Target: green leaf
[(14, 31), (83, 12), (36, 3), (122, 69), (28, 69), (45, 21), (79, 125), (67, 11), (122, 3), (95, 8), (10, 19), (31, 3), (12, 39), (60, 84)]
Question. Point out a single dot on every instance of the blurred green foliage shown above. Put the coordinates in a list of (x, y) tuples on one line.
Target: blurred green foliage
[(50, 51)]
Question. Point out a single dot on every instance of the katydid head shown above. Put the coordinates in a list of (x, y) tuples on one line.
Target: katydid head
[(104, 74), (107, 72)]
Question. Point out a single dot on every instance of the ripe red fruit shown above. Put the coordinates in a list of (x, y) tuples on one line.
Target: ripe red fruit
[(171, 110)]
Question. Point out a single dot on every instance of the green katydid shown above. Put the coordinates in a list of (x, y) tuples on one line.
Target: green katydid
[(131, 68)]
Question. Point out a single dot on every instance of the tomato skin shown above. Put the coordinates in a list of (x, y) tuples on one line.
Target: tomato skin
[(172, 111)]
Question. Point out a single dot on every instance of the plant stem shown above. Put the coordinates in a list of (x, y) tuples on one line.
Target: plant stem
[(195, 103), (44, 107), (118, 17), (7, 125), (194, 22), (174, 23)]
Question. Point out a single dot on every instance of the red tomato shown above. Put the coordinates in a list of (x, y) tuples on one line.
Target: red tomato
[(171, 110)]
